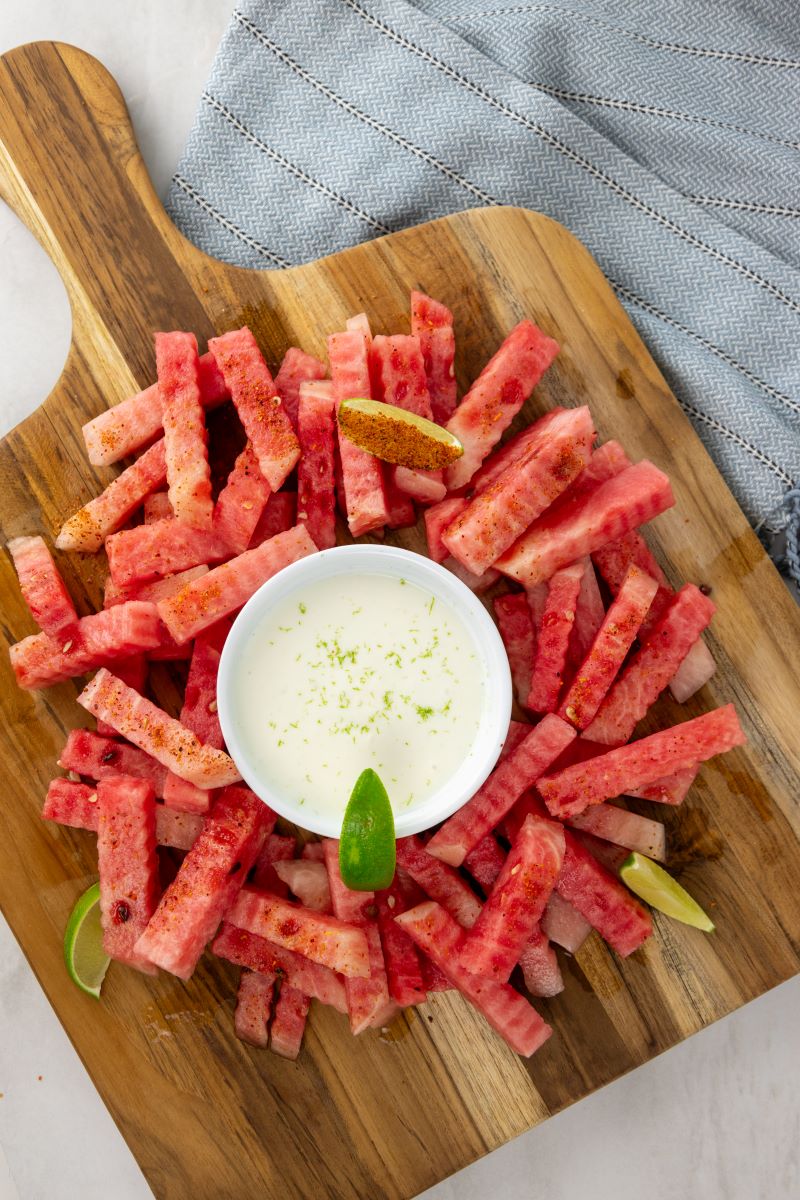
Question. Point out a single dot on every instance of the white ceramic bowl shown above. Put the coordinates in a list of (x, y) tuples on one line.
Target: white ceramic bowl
[(393, 562)]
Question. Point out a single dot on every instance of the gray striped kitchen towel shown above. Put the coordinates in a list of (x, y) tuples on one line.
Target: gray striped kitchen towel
[(665, 136)]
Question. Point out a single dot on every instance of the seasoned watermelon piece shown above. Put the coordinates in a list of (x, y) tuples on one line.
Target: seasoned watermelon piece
[(125, 428), (199, 711), (553, 636), (517, 901), (101, 638), (132, 671), (564, 925), (606, 904), (485, 862), (186, 797), (437, 519), (503, 511), (515, 622), (308, 881), (277, 848), (241, 503), (433, 979), (397, 375), (589, 616), (403, 970), (164, 548), (43, 589), (426, 487), (510, 452), (477, 583), (207, 883), (157, 507), (496, 396), (362, 473), (289, 1022), (694, 672), (360, 323), (564, 534), (400, 506), (128, 866), (254, 1008), (537, 598), (672, 789), (177, 829), (439, 880), (520, 770), (651, 758), (75, 804), (97, 757), (616, 635), (321, 938), (652, 666), (258, 404), (517, 732), (539, 965), (154, 590), (314, 852), (368, 1000), (87, 529), (152, 730), (509, 1014), (316, 431), (623, 828), (226, 588), (297, 368), (257, 954), (432, 326), (185, 436), (277, 517)]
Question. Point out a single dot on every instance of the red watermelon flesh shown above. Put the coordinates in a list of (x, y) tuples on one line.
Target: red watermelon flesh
[(185, 436), (207, 882), (226, 588), (476, 583), (517, 901), (199, 712), (256, 400), (253, 1008), (308, 881), (297, 368), (503, 511), (539, 965), (97, 757), (564, 925), (316, 430), (694, 672), (613, 508), (496, 396), (515, 622), (360, 323), (511, 452), (43, 589), (164, 548), (241, 503), (652, 666), (289, 1022), (314, 852), (646, 761), (397, 375), (87, 529), (278, 516), (154, 590), (553, 636), (362, 473), (403, 971), (186, 797), (432, 326), (101, 639), (152, 730), (130, 425), (132, 671), (437, 518), (520, 770), (323, 939), (672, 789), (401, 513), (509, 1014), (621, 624), (606, 904), (157, 507), (257, 954), (589, 616), (623, 828), (485, 862), (438, 880), (277, 848), (128, 866), (75, 805)]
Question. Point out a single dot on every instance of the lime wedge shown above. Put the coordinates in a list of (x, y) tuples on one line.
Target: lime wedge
[(86, 960), (367, 845), (650, 881), (397, 436)]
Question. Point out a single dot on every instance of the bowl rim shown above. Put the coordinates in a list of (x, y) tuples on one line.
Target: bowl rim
[(447, 587)]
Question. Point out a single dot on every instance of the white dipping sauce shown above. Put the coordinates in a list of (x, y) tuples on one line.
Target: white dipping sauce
[(356, 671)]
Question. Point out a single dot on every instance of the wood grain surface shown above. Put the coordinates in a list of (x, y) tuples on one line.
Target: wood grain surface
[(382, 1115)]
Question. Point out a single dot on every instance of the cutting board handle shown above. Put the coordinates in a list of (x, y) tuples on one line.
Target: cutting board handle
[(71, 170)]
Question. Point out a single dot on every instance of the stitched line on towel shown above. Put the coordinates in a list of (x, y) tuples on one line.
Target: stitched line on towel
[(741, 56), (291, 167), (201, 202), (627, 294), (753, 206), (378, 126), (651, 110), (550, 140)]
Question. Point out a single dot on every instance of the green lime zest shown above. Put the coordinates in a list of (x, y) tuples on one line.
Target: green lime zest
[(652, 883), (367, 854), (84, 956)]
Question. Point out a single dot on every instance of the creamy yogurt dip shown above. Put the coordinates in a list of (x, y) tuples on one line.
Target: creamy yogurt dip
[(353, 671)]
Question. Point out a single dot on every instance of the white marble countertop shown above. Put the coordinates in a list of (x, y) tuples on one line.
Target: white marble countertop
[(718, 1117)]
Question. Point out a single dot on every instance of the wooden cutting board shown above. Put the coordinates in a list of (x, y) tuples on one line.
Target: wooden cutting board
[(383, 1115)]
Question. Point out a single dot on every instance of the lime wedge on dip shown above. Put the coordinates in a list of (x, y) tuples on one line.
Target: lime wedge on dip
[(650, 881), (86, 960), (397, 436), (367, 843)]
